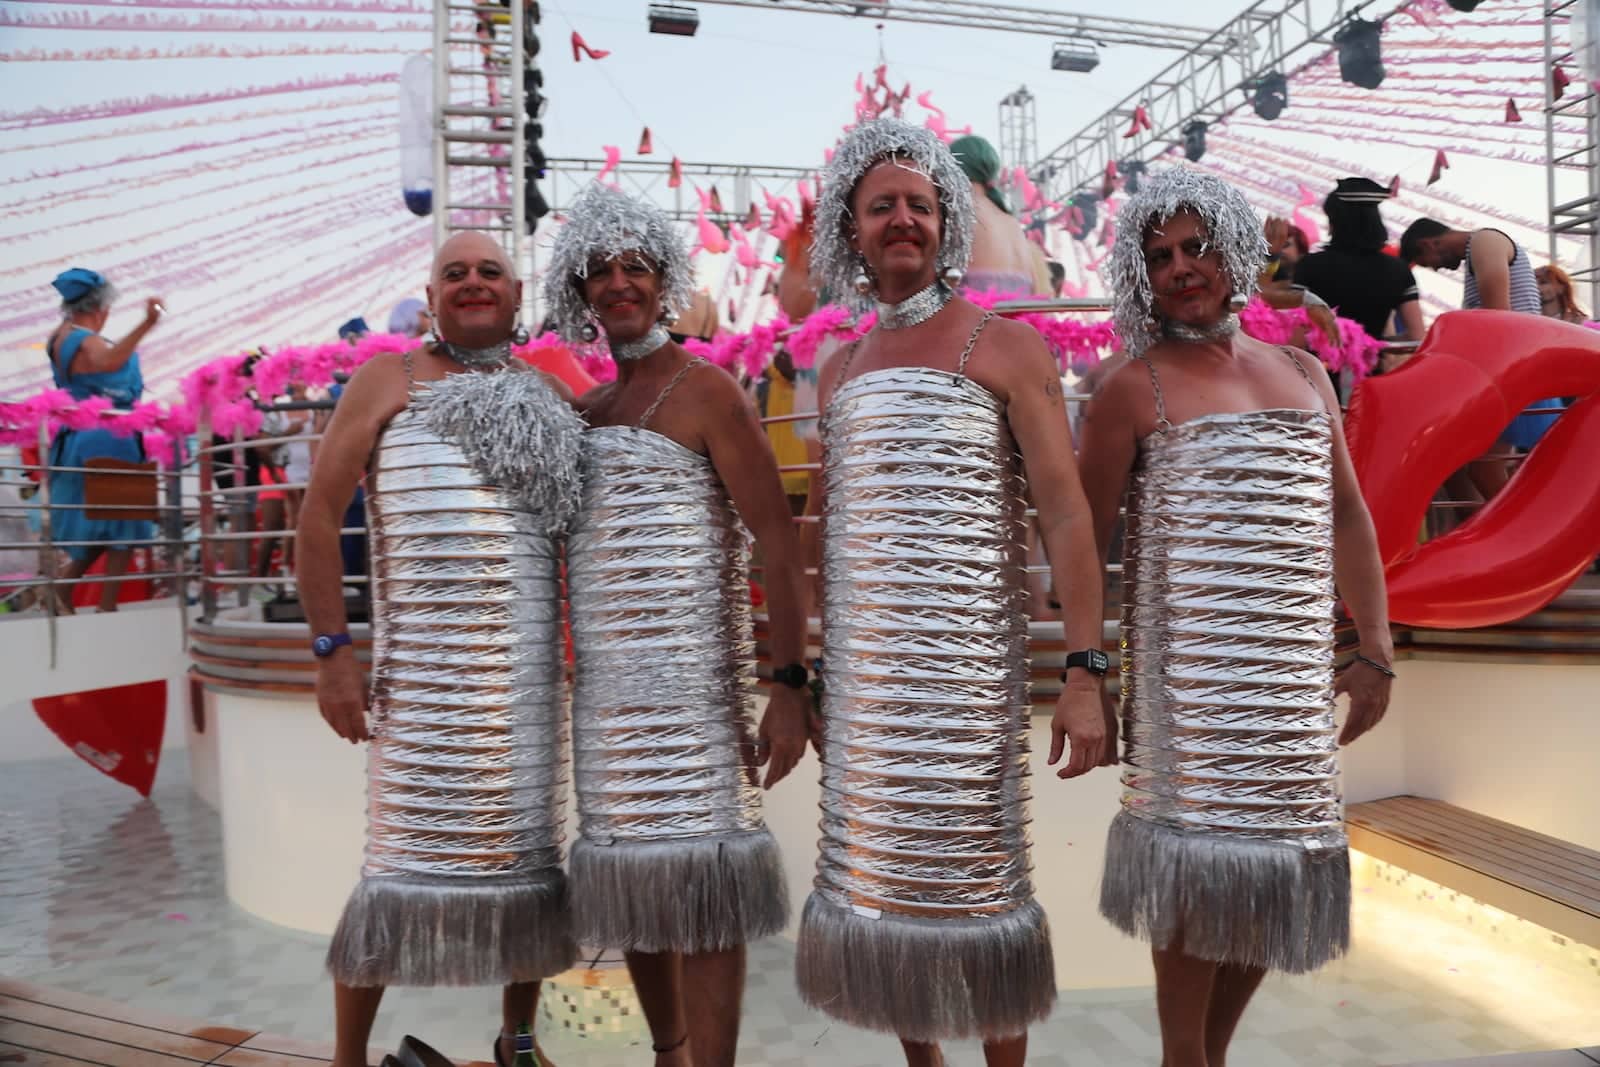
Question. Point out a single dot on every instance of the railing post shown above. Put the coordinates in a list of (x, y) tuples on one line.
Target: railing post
[(244, 520), (208, 515), (45, 535)]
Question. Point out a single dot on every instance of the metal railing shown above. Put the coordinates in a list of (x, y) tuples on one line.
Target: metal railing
[(209, 541)]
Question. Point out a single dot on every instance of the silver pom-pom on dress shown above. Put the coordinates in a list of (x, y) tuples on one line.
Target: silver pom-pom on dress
[(467, 782), (1231, 837), (923, 922), (834, 264), (673, 854), (1231, 227), (604, 223)]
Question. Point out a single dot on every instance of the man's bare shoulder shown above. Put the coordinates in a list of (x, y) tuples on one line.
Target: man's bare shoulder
[(596, 397)]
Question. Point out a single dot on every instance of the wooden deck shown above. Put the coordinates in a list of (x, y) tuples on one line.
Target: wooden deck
[(43, 1027), (1543, 879)]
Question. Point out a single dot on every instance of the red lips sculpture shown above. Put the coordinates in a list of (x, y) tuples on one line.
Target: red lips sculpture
[(1409, 430)]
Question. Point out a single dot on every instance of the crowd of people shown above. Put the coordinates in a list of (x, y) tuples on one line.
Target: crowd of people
[(499, 505)]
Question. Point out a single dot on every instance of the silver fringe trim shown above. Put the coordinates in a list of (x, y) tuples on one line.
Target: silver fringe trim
[(519, 434), (457, 932), (1233, 899), (702, 894), (927, 979)]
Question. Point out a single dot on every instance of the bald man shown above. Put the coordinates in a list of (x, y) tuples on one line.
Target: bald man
[(462, 883)]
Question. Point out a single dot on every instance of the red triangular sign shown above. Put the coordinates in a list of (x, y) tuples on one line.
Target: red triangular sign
[(1512, 114), (645, 147)]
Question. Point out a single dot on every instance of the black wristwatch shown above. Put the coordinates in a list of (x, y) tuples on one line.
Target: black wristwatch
[(1092, 660), (794, 675)]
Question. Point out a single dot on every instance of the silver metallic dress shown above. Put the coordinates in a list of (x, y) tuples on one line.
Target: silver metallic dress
[(462, 883), (673, 855), (1231, 835), (923, 922)]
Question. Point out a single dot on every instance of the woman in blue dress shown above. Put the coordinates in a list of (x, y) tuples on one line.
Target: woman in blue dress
[(89, 365)]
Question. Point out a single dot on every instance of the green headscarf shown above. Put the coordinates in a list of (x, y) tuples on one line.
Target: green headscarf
[(981, 163)]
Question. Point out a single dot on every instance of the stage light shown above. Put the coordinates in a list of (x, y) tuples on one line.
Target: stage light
[(1194, 141), (1078, 57), (674, 19), (1271, 95), (1463, 5), (1360, 54)]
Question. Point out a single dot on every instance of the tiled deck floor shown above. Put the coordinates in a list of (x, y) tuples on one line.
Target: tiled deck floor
[(105, 895)]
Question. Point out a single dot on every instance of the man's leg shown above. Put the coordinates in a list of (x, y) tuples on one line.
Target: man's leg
[(1011, 1052), (1183, 1000), (1230, 994), (354, 1008), (714, 983), (658, 981), (517, 1003), (922, 1054)]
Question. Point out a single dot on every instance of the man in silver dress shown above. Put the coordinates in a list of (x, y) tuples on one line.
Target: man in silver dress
[(470, 460), (1243, 510), (674, 864), (923, 922)]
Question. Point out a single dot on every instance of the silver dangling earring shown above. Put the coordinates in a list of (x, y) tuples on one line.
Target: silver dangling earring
[(588, 333), (519, 336), (1238, 302), (435, 342), (862, 283), (953, 276)]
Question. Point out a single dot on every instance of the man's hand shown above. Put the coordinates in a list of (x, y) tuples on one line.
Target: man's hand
[(1369, 698), (781, 739), (1323, 318), (1276, 232), (1080, 718), (342, 695), (153, 310)]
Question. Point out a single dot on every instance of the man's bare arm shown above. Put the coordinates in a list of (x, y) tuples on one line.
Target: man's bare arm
[(377, 391), (744, 460), (1038, 419), (1491, 265)]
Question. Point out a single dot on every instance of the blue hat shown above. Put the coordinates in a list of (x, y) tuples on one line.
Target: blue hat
[(77, 283), (356, 327)]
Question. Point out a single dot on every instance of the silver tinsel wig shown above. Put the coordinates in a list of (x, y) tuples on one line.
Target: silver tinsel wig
[(606, 222), (1230, 223), (833, 263)]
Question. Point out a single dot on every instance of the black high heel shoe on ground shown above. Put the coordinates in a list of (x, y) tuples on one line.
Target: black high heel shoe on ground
[(415, 1052)]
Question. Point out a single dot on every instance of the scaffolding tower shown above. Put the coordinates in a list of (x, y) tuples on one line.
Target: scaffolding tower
[(1019, 131), (480, 63), (1572, 176)]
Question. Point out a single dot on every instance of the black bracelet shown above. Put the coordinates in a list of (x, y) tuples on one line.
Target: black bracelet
[(1375, 665)]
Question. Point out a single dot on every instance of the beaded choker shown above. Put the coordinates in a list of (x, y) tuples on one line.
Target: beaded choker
[(917, 308), (1222, 329), (494, 356), (628, 351)]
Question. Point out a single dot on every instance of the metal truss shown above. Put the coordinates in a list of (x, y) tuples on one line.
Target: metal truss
[(1207, 83), (1580, 215), (1101, 29), (738, 185), (1019, 130)]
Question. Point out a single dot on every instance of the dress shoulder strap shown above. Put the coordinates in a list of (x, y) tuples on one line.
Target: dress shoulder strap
[(1162, 424), (1300, 366), (683, 371), (972, 342)]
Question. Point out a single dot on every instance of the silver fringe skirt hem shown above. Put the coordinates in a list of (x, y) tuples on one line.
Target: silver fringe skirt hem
[(453, 932), (927, 980), (701, 894), (1227, 898)]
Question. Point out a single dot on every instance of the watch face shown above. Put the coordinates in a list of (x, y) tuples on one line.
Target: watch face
[(323, 645), (1099, 662)]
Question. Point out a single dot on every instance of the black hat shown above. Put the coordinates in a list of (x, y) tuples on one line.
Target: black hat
[(1360, 191)]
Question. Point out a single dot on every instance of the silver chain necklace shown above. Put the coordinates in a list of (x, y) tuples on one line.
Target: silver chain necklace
[(628, 351), (917, 308), (493, 357), (1220, 330)]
